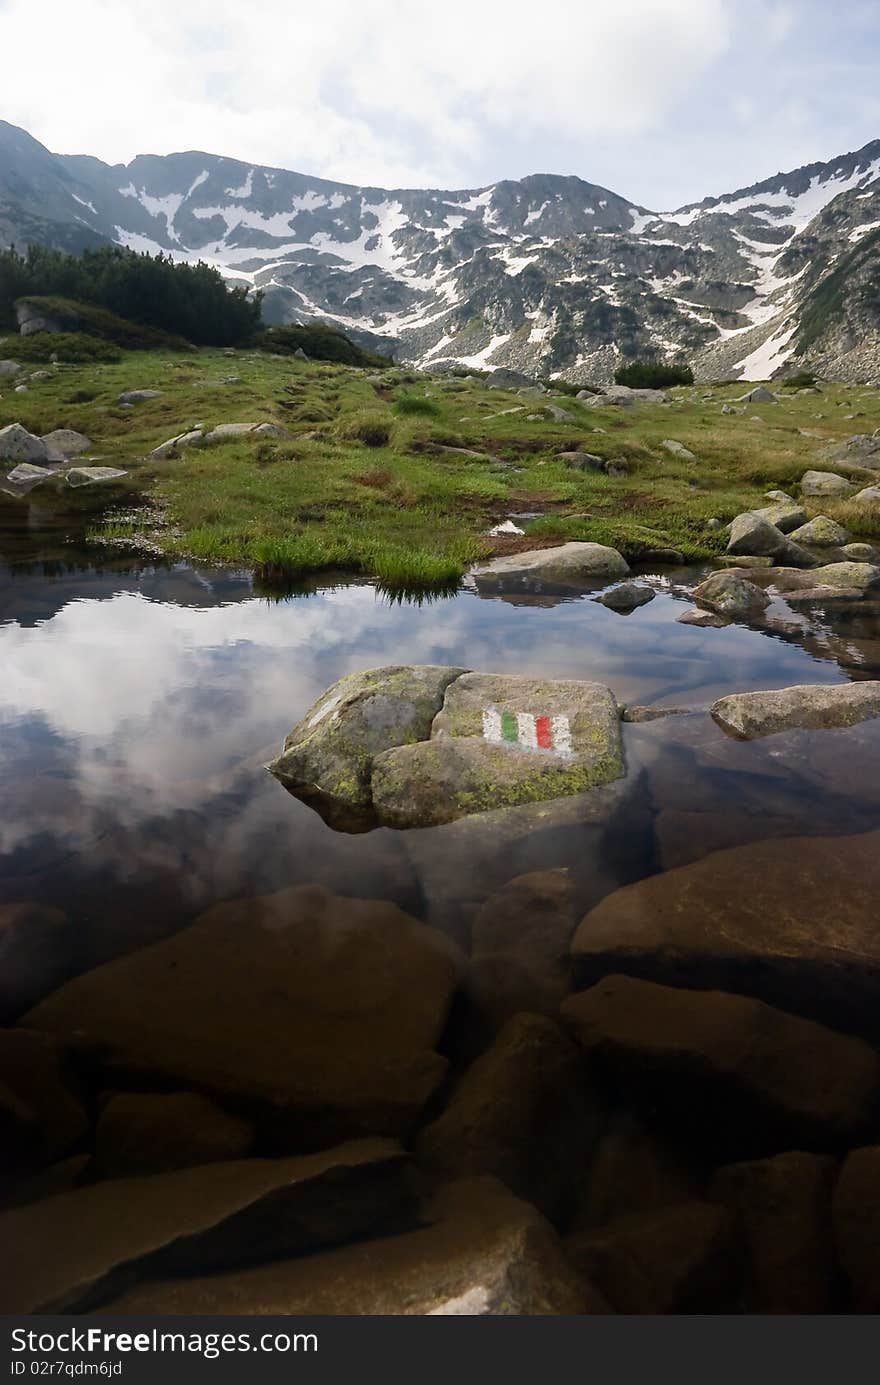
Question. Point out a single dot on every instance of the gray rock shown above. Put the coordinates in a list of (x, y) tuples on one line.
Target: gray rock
[(522, 1113), (786, 515), (37, 375), (861, 553), (749, 716), (503, 379), (138, 396), (482, 1253), (824, 483), (869, 496), (678, 449), (729, 409), (781, 497), (759, 395), (822, 532), (625, 598), (850, 575), (32, 319), (783, 1206), (863, 449), (145, 1132), (559, 415), (331, 1012), (165, 449), (856, 1215), (26, 474), (752, 1074), (755, 535), (569, 567), (8, 369), (581, 461), (300, 355), (224, 432), (328, 757), (813, 947), (66, 442), (105, 1235), (704, 620), (21, 389), (728, 594), (18, 445), (90, 475)]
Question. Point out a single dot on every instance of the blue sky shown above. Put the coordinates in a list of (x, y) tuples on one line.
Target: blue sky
[(664, 101)]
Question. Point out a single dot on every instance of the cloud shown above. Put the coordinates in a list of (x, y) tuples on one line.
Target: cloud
[(378, 91)]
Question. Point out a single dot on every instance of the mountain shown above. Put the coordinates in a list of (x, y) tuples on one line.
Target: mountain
[(547, 273)]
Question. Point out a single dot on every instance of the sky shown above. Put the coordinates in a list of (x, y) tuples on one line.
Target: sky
[(663, 101)]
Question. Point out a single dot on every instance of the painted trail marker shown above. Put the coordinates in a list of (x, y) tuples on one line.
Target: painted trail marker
[(528, 731)]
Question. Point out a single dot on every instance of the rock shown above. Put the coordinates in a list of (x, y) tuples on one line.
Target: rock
[(521, 1112), (37, 947), (748, 716), (90, 475), (500, 741), (569, 567), (672, 556), (8, 369), (822, 532), (743, 1070), (45, 1119), (531, 919), (728, 594), (18, 445), (744, 560), (678, 449), (66, 442), (729, 409), (26, 474), (328, 757), (165, 449), (869, 496), (32, 319), (76, 1250), (861, 577), (585, 394), (856, 1215), (863, 449), (861, 553), (824, 483), (751, 533), (21, 389), (508, 527), (582, 461), (626, 597), (639, 715), (558, 414), (224, 432), (143, 1132), (37, 375), (781, 497), (482, 1253), (783, 1207), (138, 396), (675, 1260), (785, 514), (703, 619), (503, 379), (714, 524), (331, 1012), (812, 947), (623, 394), (270, 430), (300, 355), (759, 395), (632, 1170)]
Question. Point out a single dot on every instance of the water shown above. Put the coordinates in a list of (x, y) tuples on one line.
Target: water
[(140, 702)]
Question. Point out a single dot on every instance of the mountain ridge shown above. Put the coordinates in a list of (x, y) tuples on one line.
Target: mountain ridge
[(547, 273)]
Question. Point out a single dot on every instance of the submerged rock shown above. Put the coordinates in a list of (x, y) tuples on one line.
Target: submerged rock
[(26, 474), (731, 595), (331, 1011), (815, 707), (856, 1214), (483, 1252), (737, 918), (41, 1115), (103, 1237), (747, 1072)]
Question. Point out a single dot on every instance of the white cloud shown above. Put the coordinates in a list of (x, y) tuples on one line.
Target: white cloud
[(379, 91)]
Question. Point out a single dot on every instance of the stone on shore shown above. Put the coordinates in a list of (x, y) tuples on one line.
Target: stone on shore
[(822, 706), (785, 515), (76, 1250), (744, 1071), (66, 442), (18, 445), (331, 1012), (824, 483), (735, 918), (91, 475), (483, 1252), (27, 474), (821, 532)]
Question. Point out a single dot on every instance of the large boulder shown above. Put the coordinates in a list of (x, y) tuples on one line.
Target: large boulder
[(66, 442), (148, 1132), (785, 515), (863, 449), (27, 475), (869, 496), (747, 1074), (504, 379), (521, 1112), (329, 1016), (759, 395), (821, 532), (813, 707), (138, 396), (824, 483), (33, 318), (634, 1169), (18, 445), (9, 369), (501, 741), (177, 444), (45, 1117), (790, 920), (751, 533), (529, 922), (328, 757), (481, 1253), (783, 1208), (627, 597), (570, 567), (93, 475), (74, 1251), (729, 594), (846, 576)]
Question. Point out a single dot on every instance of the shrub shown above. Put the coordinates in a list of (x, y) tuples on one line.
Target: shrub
[(803, 380), (78, 348), (320, 343), (652, 375), (372, 429), (415, 404), (84, 319)]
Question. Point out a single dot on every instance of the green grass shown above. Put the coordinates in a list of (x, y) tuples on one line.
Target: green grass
[(366, 482)]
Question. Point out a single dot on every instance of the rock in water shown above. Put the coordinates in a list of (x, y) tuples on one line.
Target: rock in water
[(29, 475), (812, 707), (731, 595), (500, 741), (482, 1253), (18, 445), (735, 918), (332, 1009), (74, 1251), (627, 597), (570, 567), (327, 759), (89, 475), (749, 1074)]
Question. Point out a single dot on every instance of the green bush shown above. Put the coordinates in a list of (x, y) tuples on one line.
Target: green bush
[(77, 348), (804, 380), (320, 343), (85, 320), (652, 375), (372, 429), (415, 404)]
